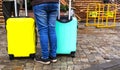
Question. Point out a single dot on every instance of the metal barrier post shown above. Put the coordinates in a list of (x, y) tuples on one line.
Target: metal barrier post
[(101, 14)]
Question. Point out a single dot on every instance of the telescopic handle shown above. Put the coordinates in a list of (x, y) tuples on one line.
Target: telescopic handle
[(15, 4), (69, 16)]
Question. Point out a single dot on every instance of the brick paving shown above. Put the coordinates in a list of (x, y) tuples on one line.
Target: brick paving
[(97, 49)]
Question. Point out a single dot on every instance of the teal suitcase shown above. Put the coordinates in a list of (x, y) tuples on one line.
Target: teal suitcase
[(66, 31), (66, 36)]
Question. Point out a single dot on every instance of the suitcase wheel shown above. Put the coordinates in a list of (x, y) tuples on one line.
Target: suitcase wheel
[(11, 57), (32, 56), (77, 26), (72, 54)]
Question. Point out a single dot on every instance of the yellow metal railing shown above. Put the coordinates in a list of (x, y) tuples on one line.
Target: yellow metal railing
[(100, 15)]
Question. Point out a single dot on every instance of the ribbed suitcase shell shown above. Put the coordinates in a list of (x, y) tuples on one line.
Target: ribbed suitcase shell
[(66, 36), (21, 36)]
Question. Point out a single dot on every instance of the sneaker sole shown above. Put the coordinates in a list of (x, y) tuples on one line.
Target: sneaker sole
[(53, 61), (43, 62)]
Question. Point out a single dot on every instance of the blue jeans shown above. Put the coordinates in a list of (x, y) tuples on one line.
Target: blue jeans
[(45, 15)]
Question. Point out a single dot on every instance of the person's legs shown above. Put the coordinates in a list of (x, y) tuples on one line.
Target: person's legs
[(46, 15), (41, 20), (52, 15)]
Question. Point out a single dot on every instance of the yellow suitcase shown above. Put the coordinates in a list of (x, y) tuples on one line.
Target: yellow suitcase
[(21, 37)]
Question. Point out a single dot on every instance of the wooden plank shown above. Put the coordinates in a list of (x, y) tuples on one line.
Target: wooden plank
[(1, 14)]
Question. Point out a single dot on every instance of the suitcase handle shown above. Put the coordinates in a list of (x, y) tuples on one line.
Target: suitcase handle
[(69, 16), (15, 4), (64, 19)]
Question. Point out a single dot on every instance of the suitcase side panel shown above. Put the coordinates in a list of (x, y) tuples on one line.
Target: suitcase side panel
[(21, 36)]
